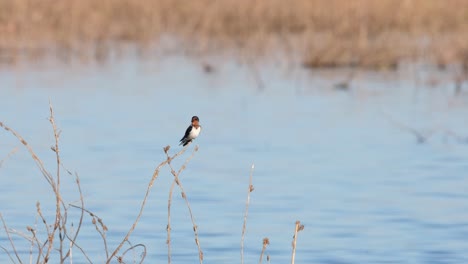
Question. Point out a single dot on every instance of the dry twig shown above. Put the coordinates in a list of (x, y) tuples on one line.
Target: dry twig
[(11, 240), (251, 188), (266, 242), (297, 229), (177, 181), (143, 203)]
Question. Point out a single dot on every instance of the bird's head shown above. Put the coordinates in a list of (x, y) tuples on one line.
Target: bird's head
[(195, 121)]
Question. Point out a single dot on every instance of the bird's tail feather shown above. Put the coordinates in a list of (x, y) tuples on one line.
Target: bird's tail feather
[(184, 142)]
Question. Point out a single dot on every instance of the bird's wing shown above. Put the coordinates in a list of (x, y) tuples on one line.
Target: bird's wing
[(187, 132)]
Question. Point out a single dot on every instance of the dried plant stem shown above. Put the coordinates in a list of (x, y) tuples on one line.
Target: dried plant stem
[(143, 203), (13, 151), (33, 239), (36, 159), (132, 248), (44, 221), (8, 254), (36, 240), (59, 225), (101, 228), (251, 188), (70, 252), (74, 244), (169, 202), (266, 242), (9, 238), (80, 222), (59, 221), (177, 181), (353, 33), (297, 229)]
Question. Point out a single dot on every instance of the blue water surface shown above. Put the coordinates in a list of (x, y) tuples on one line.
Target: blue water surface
[(345, 163)]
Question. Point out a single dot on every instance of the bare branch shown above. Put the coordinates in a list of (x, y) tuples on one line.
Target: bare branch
[(266, 242), (143, 255), (9, 238), (143, 203), (297, 229), (11, 153), (184, 196), (251, 188)]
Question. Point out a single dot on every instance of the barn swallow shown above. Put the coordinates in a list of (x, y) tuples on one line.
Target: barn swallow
[(192, 132)]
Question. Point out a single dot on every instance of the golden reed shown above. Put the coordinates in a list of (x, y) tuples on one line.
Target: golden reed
[(324, 33)]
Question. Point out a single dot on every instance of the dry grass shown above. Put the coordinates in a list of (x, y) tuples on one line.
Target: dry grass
[(322, 33), (184, 196), (58, 228), (266, 242), (298, 229), (246, 213), (57, 238)]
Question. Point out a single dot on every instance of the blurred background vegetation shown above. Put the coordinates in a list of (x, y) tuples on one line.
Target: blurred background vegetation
[(314, 33)]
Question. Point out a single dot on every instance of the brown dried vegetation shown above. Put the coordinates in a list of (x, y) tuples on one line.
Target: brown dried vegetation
[(322, 33), (57, 239)]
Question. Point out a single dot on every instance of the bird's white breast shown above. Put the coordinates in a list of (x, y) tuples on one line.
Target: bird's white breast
[(194, 132)]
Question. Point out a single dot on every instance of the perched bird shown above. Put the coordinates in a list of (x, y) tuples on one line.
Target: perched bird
[(192, 132)]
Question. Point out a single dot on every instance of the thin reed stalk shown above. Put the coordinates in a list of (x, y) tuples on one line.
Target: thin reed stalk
[(46, 226), (80, 222), (297, 229), (250, 189), (143, 203), (59, 225), (132, 248), (99, 225), (184, 196), (36, 159), (11, 153), (47, 249), (59, 221), (11, 240), (266, 242)]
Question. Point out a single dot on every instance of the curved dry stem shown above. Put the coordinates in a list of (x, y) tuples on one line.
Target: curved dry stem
[(101, 228), (74, 244), (46, 247), (251, 188), (9, 238), (46, 174), (143, 256), (8, 254), (143, 203), (36, 159), (11, 153), (177, 181), (44, 221), (38, 243)]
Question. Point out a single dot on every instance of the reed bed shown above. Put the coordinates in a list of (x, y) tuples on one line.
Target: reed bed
[(57, 240), (317, 33)]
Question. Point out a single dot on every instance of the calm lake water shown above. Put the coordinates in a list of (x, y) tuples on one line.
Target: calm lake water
[(344, 163)]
